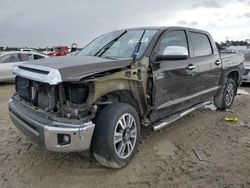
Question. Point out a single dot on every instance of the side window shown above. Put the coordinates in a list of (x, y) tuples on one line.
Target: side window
[(172, 39), (10, 58), (26, 57), (201, 44), (36, 56)]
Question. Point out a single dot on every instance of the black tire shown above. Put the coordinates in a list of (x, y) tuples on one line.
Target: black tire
[(103, 144), (222, 101)]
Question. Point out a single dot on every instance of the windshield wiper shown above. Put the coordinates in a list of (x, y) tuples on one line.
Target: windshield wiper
[(108, 57), (138, 45), (108, 45)]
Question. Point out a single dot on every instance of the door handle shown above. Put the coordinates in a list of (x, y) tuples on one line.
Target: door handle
[(217, 63), (191, 67)]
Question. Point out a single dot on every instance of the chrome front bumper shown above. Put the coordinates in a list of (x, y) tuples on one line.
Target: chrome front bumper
[(46, 132)]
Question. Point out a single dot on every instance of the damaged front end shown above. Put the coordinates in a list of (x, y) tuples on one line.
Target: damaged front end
[(57, 98), (56, 116), (65, 100)]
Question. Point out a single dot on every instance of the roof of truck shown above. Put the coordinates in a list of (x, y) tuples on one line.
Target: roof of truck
[(166, 27)]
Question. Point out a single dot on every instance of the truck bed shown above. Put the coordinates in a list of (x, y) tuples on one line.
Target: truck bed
[(231, 59)]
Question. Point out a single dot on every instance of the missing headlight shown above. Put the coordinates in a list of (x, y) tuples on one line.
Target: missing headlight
[(76, 93), (23, 88)]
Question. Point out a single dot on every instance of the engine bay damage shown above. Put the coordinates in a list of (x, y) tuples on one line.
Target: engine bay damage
[(66, 100)]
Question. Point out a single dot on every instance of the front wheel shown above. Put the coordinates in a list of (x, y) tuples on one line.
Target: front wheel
[(116, 135)]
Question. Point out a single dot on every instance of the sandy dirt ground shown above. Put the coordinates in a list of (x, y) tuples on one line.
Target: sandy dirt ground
[(164, 159)]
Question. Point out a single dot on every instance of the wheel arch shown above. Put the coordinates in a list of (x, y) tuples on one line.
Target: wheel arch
[(119, 96), (219, 97), (234, 74)]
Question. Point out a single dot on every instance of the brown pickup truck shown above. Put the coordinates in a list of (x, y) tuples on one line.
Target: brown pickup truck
[(98, 99)]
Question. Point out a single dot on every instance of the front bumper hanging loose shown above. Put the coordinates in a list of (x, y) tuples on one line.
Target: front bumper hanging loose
[(55, 136)]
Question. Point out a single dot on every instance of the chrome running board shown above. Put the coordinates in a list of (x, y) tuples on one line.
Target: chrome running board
[(164, 122)]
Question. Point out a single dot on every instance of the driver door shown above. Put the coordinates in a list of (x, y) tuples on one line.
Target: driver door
[(173, 81)]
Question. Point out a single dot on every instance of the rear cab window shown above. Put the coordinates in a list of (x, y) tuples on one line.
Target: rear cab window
[(201, 44)]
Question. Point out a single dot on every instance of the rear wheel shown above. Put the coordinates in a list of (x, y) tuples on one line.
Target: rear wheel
[(116, 135), (225, 99)]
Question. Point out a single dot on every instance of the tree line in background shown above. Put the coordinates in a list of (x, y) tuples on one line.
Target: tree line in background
[(227, 43)]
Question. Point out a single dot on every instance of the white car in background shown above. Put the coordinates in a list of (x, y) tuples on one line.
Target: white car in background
[(27, 50), (246, 74), (9, 60)]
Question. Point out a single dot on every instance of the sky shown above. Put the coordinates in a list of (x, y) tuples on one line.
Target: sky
[(46, 23)]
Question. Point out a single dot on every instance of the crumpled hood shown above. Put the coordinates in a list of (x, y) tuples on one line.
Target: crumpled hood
[(72, 68)]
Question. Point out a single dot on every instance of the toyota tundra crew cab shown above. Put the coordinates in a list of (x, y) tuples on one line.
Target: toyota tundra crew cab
[(98, 99)]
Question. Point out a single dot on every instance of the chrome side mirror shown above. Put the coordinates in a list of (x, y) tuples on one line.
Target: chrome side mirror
[(173, 53), (176, 51)]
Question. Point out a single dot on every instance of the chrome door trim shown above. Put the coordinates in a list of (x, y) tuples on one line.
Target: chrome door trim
[(180, 100)]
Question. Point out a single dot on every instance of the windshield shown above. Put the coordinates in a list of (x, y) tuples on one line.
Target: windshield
[(120, 44)]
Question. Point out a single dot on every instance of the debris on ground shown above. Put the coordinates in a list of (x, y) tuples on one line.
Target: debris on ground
[(210, 107), (231, 119), (245, 140), (202, 154), (237, 122), (242, 92), (230, 110), (29, 146), (243, 124)]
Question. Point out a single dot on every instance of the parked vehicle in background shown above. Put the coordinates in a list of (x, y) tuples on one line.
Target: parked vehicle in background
[(73, 48), (27, 50), (9, 60), (246, 74), (100, 98), (228, 51), (60, 51), (75, 52), (47, 51)]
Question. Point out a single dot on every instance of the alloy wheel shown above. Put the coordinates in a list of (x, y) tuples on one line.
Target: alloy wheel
[(125, 135)]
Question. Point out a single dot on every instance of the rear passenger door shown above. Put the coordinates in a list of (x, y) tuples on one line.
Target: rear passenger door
[(207, 68)]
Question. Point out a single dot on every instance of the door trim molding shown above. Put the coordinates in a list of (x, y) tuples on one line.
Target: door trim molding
[(176, 101)]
